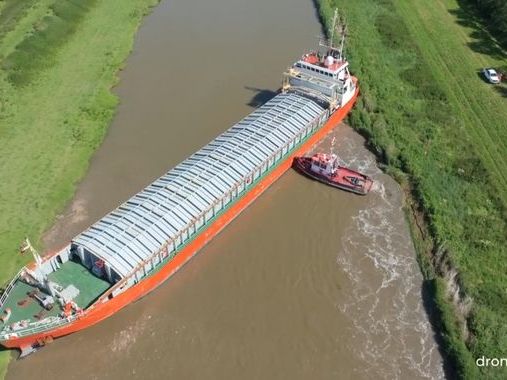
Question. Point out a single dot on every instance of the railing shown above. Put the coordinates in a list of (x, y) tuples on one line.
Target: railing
[(9, 287), (33, 329), (40, 327)]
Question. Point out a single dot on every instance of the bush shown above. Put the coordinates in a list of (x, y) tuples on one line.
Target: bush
[(37, 52)]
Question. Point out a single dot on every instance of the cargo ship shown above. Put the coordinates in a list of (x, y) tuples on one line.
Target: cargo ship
[(139, 245)]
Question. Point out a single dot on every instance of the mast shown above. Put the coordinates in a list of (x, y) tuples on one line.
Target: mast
[(338, 27), (343, 34), (333, 28), (27, 246)]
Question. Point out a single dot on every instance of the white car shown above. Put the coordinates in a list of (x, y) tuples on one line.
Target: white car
[(491, 75)]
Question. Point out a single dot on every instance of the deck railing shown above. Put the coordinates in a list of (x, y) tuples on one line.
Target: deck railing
[(32, 329), (42, 326), (9, 287)]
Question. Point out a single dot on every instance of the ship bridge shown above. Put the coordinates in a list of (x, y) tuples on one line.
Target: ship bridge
[(153, 224)]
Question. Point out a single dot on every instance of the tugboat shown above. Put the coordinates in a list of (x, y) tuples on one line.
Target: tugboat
[(325, 168)]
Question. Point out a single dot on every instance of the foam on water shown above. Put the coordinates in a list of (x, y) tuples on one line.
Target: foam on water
[(391, 331)]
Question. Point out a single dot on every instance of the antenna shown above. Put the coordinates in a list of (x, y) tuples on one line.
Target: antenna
[(338, 27), (343, 33)]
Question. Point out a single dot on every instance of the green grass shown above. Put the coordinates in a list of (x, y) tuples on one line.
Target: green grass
[(56, 108), (38, 50), (4, 361), (431, 119), (11, 11), (25, 25)]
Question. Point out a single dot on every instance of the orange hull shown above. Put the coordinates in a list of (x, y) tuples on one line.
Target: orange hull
[(100, 311)]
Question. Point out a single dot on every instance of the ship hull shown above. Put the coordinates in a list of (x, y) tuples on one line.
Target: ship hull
[(100, 311)]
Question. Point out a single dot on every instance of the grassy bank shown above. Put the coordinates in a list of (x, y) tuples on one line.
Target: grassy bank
[(59, 59), (441, 131)]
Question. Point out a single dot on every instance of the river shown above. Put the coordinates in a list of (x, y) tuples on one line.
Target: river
[(309, 282)]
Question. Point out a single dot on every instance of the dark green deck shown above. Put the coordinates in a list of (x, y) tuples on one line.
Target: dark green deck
[(30, 309), (90, 288)]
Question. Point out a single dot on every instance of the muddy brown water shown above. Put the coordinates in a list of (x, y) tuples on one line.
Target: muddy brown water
[(309, 282)]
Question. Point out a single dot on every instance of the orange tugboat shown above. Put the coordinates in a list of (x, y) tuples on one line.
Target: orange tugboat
[(136, 247), (326, 169)]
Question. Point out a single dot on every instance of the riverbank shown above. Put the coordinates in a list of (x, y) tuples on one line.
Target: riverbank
[(440, 131), (59, 62)]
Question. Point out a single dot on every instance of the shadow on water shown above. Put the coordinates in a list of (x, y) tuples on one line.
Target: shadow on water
[(428, 298), (261, 96), (484, 42)]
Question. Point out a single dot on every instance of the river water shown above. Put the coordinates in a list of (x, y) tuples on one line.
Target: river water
[(309, 282)]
